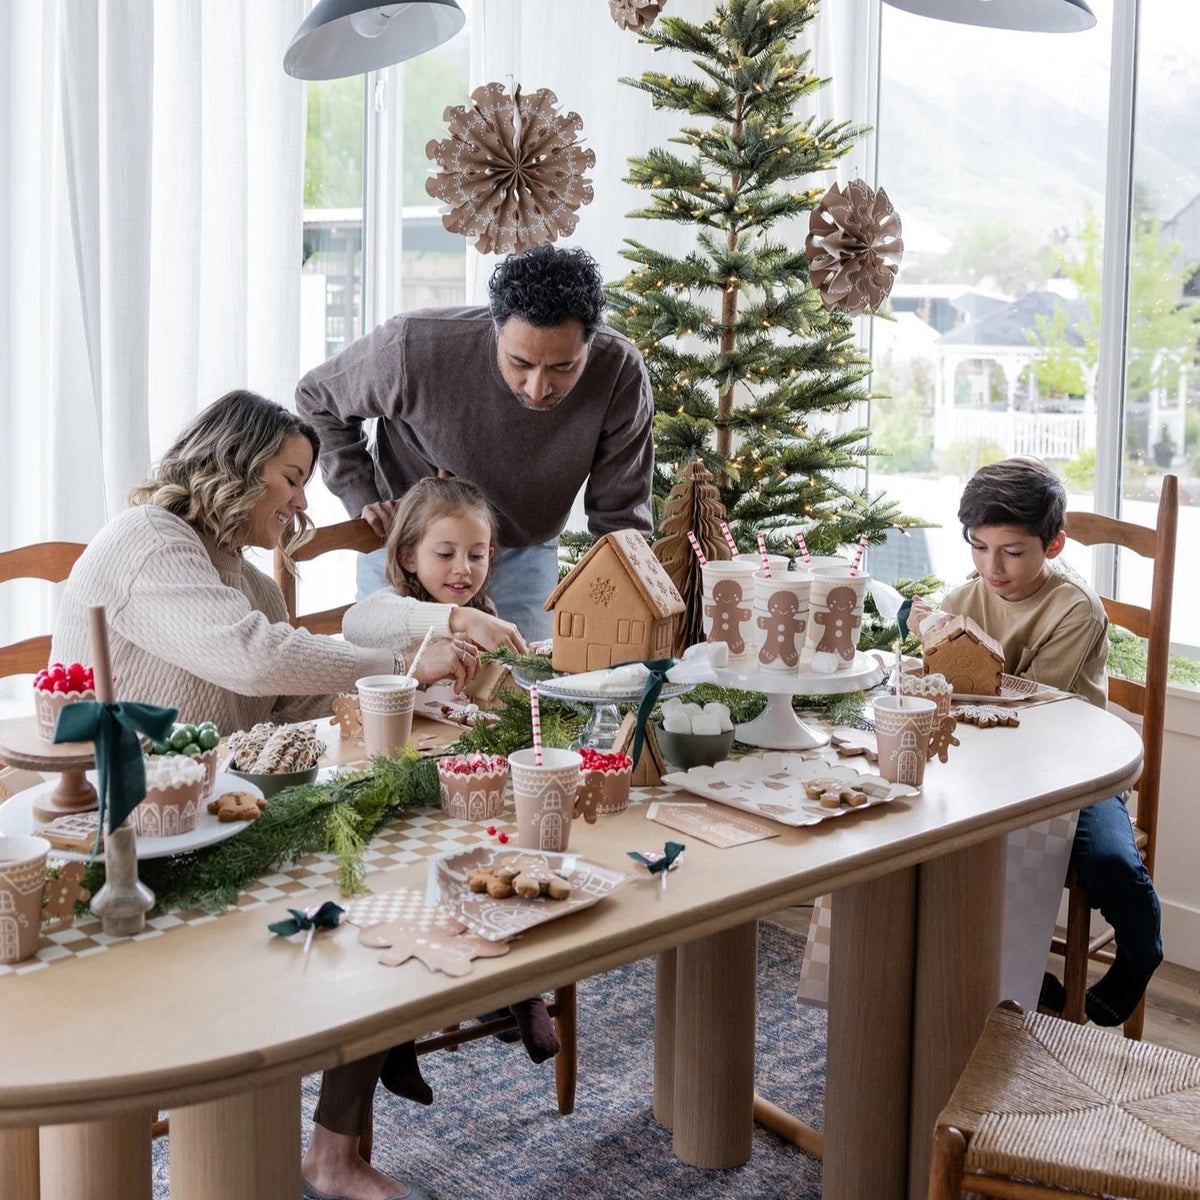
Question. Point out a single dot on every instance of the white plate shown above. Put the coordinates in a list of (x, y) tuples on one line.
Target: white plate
[(17, 820), (771, 785)]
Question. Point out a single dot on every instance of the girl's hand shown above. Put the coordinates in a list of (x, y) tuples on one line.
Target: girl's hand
[(486, 631), (448, 658)]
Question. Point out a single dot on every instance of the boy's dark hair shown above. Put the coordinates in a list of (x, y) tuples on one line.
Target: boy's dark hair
[(1017, 491), (546, 286)]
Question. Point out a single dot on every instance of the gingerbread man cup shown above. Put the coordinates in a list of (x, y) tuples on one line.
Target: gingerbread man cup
[(835, 617), (728, 589), (781, 617)]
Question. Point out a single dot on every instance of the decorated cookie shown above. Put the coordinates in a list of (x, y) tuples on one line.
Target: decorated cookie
[(942, 738), (73, 831), (985, 716), (237, 806), (347, 717)]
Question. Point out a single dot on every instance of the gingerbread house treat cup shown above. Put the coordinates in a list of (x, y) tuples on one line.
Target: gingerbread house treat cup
[(903, 725), (544, 797), (472, 786), (22, 880), (728, 608), (932, 687), (604, 782), (174, 795), (386, 703), (47, 706), (835, 614), (780, 620)]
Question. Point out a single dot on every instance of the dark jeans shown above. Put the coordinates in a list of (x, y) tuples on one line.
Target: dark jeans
[(1106, 859)]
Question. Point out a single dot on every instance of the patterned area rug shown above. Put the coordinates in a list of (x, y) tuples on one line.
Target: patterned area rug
[(494, 1130)]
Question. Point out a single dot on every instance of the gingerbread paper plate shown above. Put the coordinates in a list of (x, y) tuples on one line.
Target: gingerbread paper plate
[(772, 785), (1013, 689), (446, 886)]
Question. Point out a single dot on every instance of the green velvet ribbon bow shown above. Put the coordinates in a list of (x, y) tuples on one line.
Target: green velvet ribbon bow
[(325, 917), (658, 669), (114, 729), (654, 863)]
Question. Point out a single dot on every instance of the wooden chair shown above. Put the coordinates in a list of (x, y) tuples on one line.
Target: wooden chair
[(51, 561), (1148, 700), (358, 535), (1047, 1110)]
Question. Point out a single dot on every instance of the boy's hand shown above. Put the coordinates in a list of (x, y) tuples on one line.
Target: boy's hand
[(916, 614)]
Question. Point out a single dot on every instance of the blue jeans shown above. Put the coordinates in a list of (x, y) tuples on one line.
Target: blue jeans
[(1106, 859), (519, 583)]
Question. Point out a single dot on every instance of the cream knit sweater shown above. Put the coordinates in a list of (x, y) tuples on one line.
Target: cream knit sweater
[(197, 628)]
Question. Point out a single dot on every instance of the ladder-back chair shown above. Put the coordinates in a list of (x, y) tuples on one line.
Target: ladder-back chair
[(1148, 700), (52, 562)]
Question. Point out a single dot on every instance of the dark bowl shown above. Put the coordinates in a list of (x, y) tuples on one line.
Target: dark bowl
[(687, 750), (270, 784)]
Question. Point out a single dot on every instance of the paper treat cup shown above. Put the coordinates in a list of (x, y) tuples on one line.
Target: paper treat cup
[(478, 796), (544, 797), (386, 703), (614, 789), (821, 560), (780, 620), (835, 613), (727, 611), (903, 725), (932, 687), (47, 706), (170, 808), (22, 881)]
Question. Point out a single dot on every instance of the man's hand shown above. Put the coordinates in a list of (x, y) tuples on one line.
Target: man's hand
[(379, 516), (485, 630)]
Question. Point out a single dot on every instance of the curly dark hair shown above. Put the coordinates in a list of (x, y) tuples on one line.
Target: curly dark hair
[(546, 286), (1018, 491)]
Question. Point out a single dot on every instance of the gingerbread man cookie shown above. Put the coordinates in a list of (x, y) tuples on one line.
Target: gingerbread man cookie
[(347, 716), (783, 626), (237, 806), (942, 738), (588, 795), (727, 616)]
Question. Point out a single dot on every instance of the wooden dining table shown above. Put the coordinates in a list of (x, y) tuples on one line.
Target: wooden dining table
[(219, 1021)]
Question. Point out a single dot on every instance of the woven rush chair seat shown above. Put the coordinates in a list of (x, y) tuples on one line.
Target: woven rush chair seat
[(1046, 1104)]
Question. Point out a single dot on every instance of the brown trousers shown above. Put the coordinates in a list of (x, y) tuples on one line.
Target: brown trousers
[(347, 1093)]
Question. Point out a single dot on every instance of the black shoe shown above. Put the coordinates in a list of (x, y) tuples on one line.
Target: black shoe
[(402, 1076), (508, 1036), (1053, 996)]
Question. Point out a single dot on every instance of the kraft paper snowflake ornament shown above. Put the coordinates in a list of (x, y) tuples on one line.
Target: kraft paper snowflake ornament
[(635, 14), (854, 247), (512, 169)]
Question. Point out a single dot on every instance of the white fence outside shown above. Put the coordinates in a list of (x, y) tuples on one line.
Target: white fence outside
[(1042, 435)]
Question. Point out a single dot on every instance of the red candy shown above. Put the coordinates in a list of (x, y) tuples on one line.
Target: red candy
[(491, 831), (58, 678), (474, 764), (502, 838), (603, 760)]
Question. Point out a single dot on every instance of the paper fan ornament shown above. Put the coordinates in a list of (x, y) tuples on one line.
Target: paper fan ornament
[(635, 14), (854, 247), (511, 170)]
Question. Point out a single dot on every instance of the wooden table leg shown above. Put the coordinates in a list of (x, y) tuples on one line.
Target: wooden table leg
[(869, 1050), (97, 1160), (245, 1147), (960, 933), (664, 1038), (19, 1163), (714, 1048), (566, 1061)]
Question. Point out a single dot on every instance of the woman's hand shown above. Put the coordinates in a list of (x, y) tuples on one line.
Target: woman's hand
[(486, 631), (448, 658)]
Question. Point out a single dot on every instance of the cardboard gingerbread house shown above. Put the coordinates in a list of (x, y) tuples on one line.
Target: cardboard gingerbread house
[(966, 656), (617, 605)]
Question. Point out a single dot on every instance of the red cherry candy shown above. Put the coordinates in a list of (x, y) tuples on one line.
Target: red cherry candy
[(491, 831), (502, 838)]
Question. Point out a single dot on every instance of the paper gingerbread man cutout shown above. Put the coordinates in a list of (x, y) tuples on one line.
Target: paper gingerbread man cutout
[(438, 951), (347, 716), (726, 616), (837, 625), (588, 795), (62, 894), (941, 739), (783, 626)]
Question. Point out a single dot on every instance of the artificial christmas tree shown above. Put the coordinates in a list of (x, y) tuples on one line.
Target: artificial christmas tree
[(742, 354)]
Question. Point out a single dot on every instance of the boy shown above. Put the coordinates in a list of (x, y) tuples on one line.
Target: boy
[(1053, 629)]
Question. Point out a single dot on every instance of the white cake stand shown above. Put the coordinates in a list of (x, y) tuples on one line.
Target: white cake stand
[(777, 727)]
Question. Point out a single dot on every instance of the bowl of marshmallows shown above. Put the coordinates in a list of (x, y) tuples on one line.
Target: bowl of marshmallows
[(693, 736)]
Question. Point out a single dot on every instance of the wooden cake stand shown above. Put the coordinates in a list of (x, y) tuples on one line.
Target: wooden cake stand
[(22, 746)]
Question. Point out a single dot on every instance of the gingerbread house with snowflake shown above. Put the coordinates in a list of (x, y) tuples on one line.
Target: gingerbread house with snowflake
[(617, 605), (971, 660)]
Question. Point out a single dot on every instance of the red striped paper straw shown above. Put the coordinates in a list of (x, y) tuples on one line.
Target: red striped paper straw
[(803, 547), (535, 714), (733, 550), (858, 555), (691, 536), (762, 551)]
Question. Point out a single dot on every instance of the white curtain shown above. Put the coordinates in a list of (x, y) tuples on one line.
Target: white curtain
[(151, 168)]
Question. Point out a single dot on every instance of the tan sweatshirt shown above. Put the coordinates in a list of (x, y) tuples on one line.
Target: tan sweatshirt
[(1058, 636)]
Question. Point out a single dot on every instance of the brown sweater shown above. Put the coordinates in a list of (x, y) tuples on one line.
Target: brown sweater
[(434, 380)]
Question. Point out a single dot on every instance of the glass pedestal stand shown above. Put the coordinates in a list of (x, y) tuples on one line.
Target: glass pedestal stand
[(777, 727)]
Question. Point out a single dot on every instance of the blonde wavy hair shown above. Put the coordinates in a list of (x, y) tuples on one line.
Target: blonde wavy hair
[(213, 475)]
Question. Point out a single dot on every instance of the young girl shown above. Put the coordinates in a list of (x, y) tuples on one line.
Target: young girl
[(439, 551)]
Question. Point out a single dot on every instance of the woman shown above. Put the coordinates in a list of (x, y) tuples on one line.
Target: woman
[(194, 626)]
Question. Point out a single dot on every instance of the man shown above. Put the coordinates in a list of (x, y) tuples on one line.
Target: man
[(529, 399)]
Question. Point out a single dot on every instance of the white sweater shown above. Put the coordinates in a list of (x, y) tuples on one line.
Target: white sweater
[(199, 629), (385, 619)]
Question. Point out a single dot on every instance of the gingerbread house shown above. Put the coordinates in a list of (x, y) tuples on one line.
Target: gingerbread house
[(966, 656), (617, 605)]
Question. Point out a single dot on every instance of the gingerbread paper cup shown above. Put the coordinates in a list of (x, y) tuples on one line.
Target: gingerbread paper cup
[(780, 620), (727, 611), (174, 794), (22, 881), (931, 687), (835, 612), (902, 728), (544, 797), (47, 706), (386, 703), (471, 794)]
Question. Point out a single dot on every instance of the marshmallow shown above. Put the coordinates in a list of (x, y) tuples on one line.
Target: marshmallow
[(677, 722), (706, 723), (721, 712), (672, 705), (692, 710)]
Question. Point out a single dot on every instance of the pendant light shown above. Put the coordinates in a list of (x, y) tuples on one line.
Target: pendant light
[(1036, 16)]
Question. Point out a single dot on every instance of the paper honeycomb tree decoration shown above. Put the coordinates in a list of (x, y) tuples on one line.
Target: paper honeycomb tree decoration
[(635, 14), (512, 169), (695, 504)]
